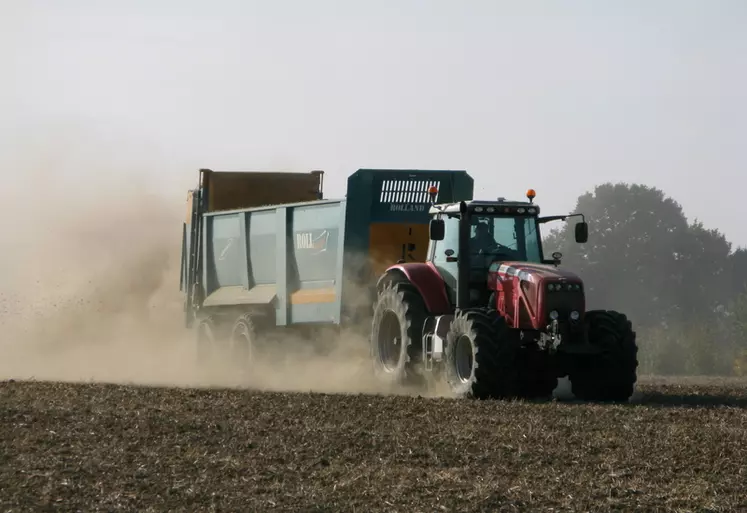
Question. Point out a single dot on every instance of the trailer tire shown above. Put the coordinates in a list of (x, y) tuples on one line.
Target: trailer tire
[(611, 375), (210, 340), (205, 339), (399, 315), (243, 344), (482, 356)]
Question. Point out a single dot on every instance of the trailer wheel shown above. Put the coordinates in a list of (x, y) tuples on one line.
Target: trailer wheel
[(205, 338), (211, 342), (611, 375), (396, 333), (481, 356), (243, 343)]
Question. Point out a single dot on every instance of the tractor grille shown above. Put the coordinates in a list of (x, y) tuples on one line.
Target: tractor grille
[(564, 301)]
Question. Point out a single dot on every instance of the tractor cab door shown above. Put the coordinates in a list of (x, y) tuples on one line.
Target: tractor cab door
[(445, 253)]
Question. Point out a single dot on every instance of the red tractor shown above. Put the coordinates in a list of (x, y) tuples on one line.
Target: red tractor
[(487, 312)]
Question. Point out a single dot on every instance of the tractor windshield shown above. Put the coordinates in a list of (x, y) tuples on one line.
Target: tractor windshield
[(504, 238)]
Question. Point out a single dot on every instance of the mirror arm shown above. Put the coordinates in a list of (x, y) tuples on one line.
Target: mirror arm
[(547, 219), (563, 217)]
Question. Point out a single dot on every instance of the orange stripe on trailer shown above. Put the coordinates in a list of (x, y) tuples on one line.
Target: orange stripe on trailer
[(311, 296)]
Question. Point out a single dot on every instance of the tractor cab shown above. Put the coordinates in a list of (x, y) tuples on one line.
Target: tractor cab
[(466, 238)]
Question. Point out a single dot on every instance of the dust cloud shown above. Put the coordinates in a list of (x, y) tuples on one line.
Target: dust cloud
[(90, 292)]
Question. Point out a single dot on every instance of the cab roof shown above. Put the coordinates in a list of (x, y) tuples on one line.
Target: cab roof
[(488, 207)]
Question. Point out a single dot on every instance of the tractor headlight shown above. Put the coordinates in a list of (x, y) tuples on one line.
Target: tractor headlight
[(554, 315), (575, 315)]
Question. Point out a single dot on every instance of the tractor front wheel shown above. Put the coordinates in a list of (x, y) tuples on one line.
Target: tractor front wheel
[(611, 374), (396, 333), (538, 373), (481, 356)]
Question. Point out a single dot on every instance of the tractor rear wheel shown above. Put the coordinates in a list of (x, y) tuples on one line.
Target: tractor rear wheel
[(610, 375), (481, 356), (396, 333)]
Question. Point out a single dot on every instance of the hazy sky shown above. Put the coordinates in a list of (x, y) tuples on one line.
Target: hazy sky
[(558, 96)]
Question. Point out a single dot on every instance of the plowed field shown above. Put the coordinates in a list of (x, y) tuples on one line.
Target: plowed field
[(86, 447)]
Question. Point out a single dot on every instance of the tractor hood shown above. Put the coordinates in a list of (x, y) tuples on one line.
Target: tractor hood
[(531, 272)]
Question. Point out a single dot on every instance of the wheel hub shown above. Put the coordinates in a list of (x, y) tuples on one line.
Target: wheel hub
[(389, 340), (464, 359)]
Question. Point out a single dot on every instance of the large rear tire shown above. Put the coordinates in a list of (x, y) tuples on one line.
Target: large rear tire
[(396, 334), (481, 356), (611, 375)]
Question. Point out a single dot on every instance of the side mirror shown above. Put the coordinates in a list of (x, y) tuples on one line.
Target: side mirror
[(582, 232), (437, 229)]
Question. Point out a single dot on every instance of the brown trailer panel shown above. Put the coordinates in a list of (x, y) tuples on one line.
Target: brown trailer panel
[(228, 190)]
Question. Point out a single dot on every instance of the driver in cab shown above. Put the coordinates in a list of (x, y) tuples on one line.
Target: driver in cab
[(484, 246)]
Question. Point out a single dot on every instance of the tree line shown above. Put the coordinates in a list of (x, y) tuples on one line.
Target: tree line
[(683, 285)]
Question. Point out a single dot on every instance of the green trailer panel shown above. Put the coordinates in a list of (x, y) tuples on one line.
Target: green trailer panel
[(288, 256), (307, 261)]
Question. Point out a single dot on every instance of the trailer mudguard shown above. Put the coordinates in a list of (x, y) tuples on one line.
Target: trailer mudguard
[(426, 278)]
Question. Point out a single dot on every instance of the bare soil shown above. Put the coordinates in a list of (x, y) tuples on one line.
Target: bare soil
[(682, 446)]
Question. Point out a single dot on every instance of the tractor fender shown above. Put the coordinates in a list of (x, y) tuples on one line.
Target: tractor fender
[(426, 279)]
